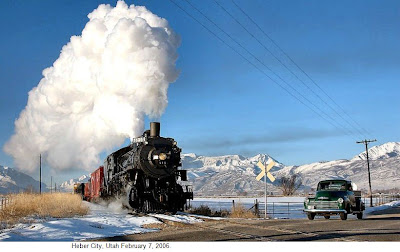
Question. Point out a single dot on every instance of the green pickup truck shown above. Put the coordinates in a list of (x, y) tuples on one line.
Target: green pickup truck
[(334, 197)]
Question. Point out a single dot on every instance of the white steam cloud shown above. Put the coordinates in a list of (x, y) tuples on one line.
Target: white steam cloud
[(98, 91)]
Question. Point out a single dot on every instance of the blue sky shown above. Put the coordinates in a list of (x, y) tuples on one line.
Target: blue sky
[(221, 104)]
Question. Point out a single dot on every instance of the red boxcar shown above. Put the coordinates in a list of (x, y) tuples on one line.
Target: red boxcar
[(86, 191), (96, 183)]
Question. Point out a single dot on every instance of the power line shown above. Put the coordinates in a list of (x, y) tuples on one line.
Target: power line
[(271, 53), (330, 98), (341, 127)]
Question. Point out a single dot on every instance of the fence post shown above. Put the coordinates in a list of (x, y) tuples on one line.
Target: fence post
[(288, 210), (273, 209), (233, 205), (256, 209)]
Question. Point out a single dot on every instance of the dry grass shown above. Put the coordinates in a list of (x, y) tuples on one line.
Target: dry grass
[(57, 205), (206, 211), (239, 211)]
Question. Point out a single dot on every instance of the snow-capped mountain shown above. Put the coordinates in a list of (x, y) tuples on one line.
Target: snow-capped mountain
[(232, 175), (13, 181), (227, 175), (385, 173), (68, 186), (379, 152), (384, 167)]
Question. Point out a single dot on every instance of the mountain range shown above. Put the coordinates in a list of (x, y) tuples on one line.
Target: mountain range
[(13, 181), (384, 167), (235, 174), (68, 185)]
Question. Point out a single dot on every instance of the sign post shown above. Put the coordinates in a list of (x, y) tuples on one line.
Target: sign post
[(265, 173), (265, 192)]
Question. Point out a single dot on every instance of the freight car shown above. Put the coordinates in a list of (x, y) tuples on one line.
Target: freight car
[(143, 174)]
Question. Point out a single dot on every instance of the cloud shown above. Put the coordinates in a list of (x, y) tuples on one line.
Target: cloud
[(281, 136), (98, 91)]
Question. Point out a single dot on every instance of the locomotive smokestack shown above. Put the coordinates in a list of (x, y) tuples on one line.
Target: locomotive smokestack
[(154, 129)]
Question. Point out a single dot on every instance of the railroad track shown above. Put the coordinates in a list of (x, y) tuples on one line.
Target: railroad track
[(216, 229), (226, 226), (289, 231)]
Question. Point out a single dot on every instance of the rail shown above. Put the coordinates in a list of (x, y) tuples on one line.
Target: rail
[(284, 209), (380, 199), (290, 210), (280, 210)]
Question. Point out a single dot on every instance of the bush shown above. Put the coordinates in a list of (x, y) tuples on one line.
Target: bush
[(221, 213), (201, 210), (239, 211), (206, 211), (57, 205), (290, 184)]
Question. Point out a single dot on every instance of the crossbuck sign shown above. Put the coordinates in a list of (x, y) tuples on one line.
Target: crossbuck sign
[(263, 172)]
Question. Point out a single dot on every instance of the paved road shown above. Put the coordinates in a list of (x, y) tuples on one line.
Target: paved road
[(384, 226)]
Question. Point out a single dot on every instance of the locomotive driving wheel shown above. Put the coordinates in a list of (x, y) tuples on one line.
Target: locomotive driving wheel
[(133, 198)]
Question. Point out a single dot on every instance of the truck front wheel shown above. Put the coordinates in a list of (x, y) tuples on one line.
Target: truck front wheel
[(311, 216)]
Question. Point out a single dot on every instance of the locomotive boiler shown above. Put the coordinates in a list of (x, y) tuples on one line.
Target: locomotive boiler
[(144, 174)]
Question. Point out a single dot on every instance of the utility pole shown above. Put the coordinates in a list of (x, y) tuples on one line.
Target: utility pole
[(366, 142), (40, 174)]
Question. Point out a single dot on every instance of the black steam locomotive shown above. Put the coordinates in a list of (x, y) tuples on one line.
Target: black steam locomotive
[(143, 174)]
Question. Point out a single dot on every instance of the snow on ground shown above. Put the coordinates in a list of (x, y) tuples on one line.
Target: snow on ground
[(178, 218), (100, 222), (108, 221), (389, 205)]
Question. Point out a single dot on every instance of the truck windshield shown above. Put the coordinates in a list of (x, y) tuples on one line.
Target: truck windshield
[(332, 186)]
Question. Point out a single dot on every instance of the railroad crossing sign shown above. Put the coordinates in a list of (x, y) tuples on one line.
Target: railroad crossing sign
[(263, 172)]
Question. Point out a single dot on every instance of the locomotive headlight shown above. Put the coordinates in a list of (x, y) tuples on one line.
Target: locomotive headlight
[(162, 156)]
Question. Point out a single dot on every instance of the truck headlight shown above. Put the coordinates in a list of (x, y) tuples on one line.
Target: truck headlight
[(340, 200)]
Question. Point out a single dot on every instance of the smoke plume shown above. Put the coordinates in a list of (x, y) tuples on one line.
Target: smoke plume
[(98, 91)]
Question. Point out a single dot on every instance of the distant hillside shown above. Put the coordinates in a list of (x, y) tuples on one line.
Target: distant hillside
[(13, 181)]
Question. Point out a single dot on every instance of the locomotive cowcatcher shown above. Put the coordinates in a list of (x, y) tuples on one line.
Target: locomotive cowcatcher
[(143, 174)]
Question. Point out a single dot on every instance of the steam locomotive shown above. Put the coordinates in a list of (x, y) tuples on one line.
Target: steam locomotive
[(143, 174)]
